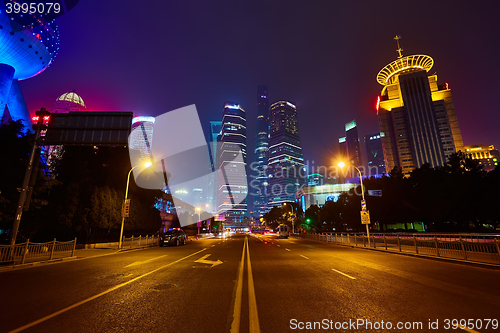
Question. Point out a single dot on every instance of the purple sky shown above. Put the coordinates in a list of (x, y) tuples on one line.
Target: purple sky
[(151, 57)]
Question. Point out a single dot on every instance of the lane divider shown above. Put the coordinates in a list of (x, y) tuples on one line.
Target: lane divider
[(253, 316), (304, 256), (287, 249), (41, 320)]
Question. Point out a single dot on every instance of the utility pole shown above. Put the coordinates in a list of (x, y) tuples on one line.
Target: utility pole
[(41, 116)]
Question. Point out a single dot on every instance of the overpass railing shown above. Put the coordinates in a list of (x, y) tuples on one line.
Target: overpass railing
[(29, 251), (471, 247)]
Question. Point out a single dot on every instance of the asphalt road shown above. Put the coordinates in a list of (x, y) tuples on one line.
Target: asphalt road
[(279, 286)]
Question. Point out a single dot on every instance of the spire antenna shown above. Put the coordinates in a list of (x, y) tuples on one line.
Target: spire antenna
[(397, 38)]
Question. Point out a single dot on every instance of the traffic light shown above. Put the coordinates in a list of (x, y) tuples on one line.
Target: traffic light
[(126, 208)]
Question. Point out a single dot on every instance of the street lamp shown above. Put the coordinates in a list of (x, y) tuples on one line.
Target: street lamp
[(147, 165), (341, 165), (293, 220)]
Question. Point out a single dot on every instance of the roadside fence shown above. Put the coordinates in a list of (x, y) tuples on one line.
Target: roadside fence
[(141, 241), (29, 251), (472, 247)]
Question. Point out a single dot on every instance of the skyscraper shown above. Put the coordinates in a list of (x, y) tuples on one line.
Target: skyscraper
[(417, 118), (233, 187), (212, 190), (258, 176), (286, 162), (374, 154), (353, 149)]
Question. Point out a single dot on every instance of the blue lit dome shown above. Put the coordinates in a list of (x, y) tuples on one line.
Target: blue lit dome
[(29, 51)]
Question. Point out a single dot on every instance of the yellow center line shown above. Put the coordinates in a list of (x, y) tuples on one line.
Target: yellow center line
[(350, 277), (252, 300), (235, 325), (36, 322)]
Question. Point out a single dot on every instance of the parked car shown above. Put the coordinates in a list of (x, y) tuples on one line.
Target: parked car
[(173, 237)]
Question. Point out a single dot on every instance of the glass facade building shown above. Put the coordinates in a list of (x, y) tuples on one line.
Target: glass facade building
[(286, 161), (375, 154), (233, 187), (258, 174)]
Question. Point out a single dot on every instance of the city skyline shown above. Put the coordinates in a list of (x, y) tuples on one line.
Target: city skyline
[(331, 81)]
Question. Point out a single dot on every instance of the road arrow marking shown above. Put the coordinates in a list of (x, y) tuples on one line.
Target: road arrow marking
[(208, 262), (145, 261)]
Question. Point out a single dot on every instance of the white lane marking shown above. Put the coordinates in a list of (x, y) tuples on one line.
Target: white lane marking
[(145, 261), (350, 277), (287, 249), (209, 262), (41, 320), (213, 245), (279, 245), (465, 328), (303, 256)]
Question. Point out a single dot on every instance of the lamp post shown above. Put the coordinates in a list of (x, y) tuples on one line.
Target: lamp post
[(199, 218), (293, 220), (342, 164), (147, 165)]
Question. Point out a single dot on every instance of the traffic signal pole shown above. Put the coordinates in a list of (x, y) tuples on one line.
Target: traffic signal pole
[(27, 175)]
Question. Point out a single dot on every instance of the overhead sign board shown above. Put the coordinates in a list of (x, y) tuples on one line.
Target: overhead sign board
[(375, 193), (365, 217), (88, 129)]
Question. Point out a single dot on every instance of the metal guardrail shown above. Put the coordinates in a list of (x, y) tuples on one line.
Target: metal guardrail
[(28, 251), (140, 241), (471, 247)]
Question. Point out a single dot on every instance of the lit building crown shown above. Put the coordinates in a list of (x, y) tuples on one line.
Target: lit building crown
[(407, 64)]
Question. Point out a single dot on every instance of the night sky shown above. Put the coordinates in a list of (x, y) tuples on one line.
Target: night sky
[(151, 57)]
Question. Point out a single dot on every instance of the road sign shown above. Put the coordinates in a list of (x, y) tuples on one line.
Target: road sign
[(88, 129), (375, 193), (365, 217), (363, 205)]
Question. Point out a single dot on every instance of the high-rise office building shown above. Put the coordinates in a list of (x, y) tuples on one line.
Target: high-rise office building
[(353, 149), (212, 189), (258, 175), (141, 136), (286, 161), (417, 118), (233, 187), (375, 154), (342, 149)]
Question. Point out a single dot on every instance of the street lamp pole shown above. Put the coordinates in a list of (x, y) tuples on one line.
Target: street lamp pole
[(147, 165), (342, 164), (293, 220)]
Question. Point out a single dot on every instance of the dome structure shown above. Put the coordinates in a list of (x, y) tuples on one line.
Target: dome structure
[(69, 101)]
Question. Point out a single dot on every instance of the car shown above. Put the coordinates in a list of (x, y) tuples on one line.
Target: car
[(173, 237)]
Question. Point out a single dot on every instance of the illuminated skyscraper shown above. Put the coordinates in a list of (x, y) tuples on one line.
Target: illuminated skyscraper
[(353, 149), (28, 47), (417, 118), (375, 154), (212, 189), (286, 162), (233, 187), (258, 175), (141, 136)]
